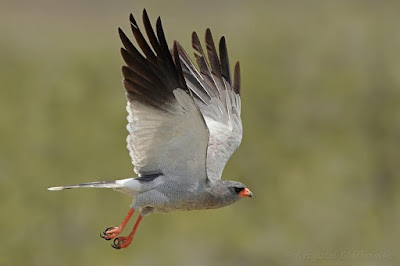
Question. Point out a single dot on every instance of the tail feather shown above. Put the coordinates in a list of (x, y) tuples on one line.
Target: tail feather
[(101, 184)]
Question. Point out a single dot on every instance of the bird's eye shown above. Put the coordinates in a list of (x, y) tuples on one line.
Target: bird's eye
[(238, 189)]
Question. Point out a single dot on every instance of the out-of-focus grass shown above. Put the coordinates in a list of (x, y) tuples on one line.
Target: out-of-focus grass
[(321, 111)]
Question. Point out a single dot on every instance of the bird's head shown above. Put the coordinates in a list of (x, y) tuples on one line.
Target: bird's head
[(239, 190), (230, 191)]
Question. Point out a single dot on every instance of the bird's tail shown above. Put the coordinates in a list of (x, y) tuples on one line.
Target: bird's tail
[(129, 186), (101, 184)]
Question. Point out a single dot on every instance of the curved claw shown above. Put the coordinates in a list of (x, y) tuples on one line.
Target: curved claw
[(122, 242), (104, 234), (117, 243), (114, 246), (107, 229)]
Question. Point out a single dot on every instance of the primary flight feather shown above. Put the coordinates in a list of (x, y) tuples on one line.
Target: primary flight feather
[(183, 122)]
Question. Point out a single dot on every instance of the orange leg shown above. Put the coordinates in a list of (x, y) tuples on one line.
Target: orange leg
[(125, 241), (112, 232)]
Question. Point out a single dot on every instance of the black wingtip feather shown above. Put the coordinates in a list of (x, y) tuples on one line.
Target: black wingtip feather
[(178, 66), (141, 41), (196, 43), (214, 60), (126, 42), (166, 53), (223, 54), (150, 33), (236, 84), (132, 20)]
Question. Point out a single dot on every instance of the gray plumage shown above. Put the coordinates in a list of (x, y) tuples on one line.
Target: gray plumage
[(183, 123)]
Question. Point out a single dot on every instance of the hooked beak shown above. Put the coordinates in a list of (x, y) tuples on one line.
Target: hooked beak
[(245, 193)]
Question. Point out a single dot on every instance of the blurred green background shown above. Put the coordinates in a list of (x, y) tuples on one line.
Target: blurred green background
[(321, 146)]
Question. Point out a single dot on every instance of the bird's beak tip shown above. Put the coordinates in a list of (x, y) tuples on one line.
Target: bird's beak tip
[(246, 193)]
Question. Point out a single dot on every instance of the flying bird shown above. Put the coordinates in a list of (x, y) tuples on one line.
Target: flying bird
[(184, 124)]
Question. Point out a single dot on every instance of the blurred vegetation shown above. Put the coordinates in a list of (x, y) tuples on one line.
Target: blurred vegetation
[(321, 146)]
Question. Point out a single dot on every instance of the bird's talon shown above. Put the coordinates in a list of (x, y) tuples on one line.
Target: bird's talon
[(115, 247), (121, 242), (117, 243), (104, 236), (107, 234)]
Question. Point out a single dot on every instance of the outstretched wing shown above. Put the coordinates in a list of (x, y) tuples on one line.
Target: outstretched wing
[(218, 99), (167, 133)]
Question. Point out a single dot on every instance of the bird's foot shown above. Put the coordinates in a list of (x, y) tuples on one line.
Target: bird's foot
[(122, 242), (125, 241), (111, 232)]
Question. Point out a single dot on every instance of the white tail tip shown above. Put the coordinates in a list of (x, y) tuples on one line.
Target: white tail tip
[(55, 188)]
